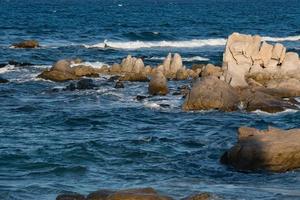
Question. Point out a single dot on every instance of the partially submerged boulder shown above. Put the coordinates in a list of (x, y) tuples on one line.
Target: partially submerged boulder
[(158, 84), (272, 150), (27, 44), (61, 71), (211, 93), (3, 80)]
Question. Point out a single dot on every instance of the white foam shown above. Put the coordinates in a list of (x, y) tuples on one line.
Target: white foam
[(281, 39), (278, 113), (159, 44), (151, 105), (188, 59), (91, 64), (7, 68)]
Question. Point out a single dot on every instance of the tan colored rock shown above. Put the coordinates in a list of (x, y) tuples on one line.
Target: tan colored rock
[(200, 196), (127, 64), (115, 68), (82, 70), (265, 53), (158, 84), (211, 70), (211, 93), (167, 63), (138, 66), (192, 73), (278, 52), (137, 194), (148, 70), (134, 77), (234, 74), (182, 74), (290, 63), (176, 63), (290, 86), (272, 150)]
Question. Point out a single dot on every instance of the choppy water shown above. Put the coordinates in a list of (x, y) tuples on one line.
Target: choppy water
[(81, 141)]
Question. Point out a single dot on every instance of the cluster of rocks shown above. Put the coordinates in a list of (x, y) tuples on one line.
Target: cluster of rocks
[(64, 71), (129, 194), (255, 76), (272, 150)]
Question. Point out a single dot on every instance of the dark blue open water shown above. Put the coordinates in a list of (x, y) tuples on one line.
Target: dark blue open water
[(51, 142)]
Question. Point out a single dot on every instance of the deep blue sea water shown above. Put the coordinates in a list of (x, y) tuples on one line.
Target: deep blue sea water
[(52, 142)]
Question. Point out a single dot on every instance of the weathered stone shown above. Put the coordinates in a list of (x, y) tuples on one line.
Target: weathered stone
[(265, 53), (211, 70), (100, 195), (200, 196), (272, 150), (235, 74), (137, 194), (176, 63), (278, 52), (158, 84), (115, 69), (211, 93), (83, 70), (167, 63), (85, 84), (182, 74), (291, 63), (138, 66), (28, 44), (290, 86)]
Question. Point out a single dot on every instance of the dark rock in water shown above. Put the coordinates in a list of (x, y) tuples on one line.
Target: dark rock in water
[(85, 84), (113, 78), (3, 65), (71, 87), (73, 196), (163, 105), (272, 150), (19, 64), (28, 44), (200, 196), (99, 195), (119, 84), (140, 97), (2, 80)]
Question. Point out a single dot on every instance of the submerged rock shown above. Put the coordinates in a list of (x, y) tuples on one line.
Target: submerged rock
[(119, 84), (83, 84), (158, 84), (73, 196), (211, 93), (3, 80), (272, 150), (29, 44)]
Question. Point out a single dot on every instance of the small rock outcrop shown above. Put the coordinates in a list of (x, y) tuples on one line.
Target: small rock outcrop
[(273, 150), (27, 44), (3, 80), (65, 70), (211, 93), (158, 84)]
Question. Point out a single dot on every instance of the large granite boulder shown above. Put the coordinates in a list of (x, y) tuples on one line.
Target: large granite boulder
[(211, 93), (158, 84), (247, 55), (272, 150)]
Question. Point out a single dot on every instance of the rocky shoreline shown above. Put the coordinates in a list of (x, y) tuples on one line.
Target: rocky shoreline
[(254, 76)]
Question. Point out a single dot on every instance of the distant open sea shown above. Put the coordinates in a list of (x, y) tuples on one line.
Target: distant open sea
[(81, 141)]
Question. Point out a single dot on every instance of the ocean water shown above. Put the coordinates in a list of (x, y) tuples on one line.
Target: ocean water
[(81, 141)]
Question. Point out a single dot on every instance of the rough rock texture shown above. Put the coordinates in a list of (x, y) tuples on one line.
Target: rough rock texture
[(247, 55), (61, 71), (211, 70), (28, 44), (129, 194), (211, 93), (83, 70), (158, 84), (272, 150), (252, 100), (171, 65), (200, 196)]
